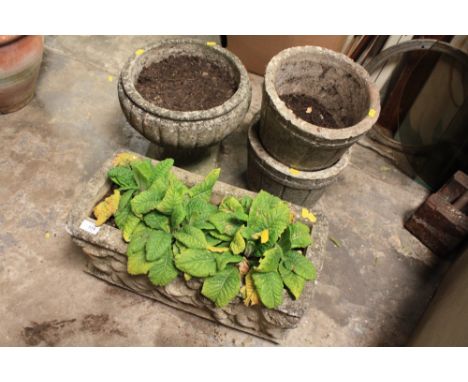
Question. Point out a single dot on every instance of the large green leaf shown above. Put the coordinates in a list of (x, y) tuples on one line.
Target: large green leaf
[(159, 186), (143, 173), (174, 196), (191, 237), (293, 282), (270, 260), (196, 262), (231, 204), (238, 243), (222, 287), (225, 222), (137, 263), (212, 241), (299, 235), (268, 213), (204, 189), (225, 258), (204, 225), (162, 168), (157, 221), (246, 202), (284, 241), (159, 242), (163, 271), (138, 241), (120, 217), (178, 215), (123, 177), (300, 265), (220, 236), (129, 226), (145, 202), (198, 212), (180, 246), (269, 287), (125, 198), (175, 249)]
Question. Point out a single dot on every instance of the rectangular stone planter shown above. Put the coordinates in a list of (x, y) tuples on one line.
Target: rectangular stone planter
[(107, 260)]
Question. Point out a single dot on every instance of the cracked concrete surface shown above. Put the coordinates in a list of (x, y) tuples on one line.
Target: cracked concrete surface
[(376, 281)]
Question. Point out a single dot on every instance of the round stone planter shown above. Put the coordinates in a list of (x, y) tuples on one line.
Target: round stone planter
[(20, 61), (339, 84), (299, 187), (180, 131)]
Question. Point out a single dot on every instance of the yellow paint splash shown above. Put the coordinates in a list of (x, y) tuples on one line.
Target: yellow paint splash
[(294, 171), (139, 52), (211, 43), (372, 113), (306, 214)]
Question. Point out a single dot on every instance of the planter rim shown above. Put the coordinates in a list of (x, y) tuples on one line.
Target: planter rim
[(289, 172), (217, 111), (305, 128)]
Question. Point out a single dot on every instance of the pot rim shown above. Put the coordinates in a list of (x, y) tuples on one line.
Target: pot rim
[(294, 174), (217, 111), (7, 39), (305, 128)]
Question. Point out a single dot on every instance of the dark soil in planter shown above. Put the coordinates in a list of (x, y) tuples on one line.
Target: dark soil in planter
[(186, 83), (310, 110)]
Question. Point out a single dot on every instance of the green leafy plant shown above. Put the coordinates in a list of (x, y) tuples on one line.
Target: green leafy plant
[(245, 246)]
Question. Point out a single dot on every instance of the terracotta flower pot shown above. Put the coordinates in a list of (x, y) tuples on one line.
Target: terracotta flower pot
[(20, 61)]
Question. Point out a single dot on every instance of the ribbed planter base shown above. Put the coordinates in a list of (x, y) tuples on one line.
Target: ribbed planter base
[(181, 157), (299, 187)]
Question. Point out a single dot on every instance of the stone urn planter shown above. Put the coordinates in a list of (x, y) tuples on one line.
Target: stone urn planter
[(107, 260), (338, 84), (296, 186), (20, 61), (179, 131)]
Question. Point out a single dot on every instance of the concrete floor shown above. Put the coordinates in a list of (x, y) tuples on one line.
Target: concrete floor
[(373, 288)]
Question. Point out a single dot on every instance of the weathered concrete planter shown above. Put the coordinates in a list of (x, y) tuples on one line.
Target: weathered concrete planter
[(182, 130), (107, 261), (299, 187), (338, 83)]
